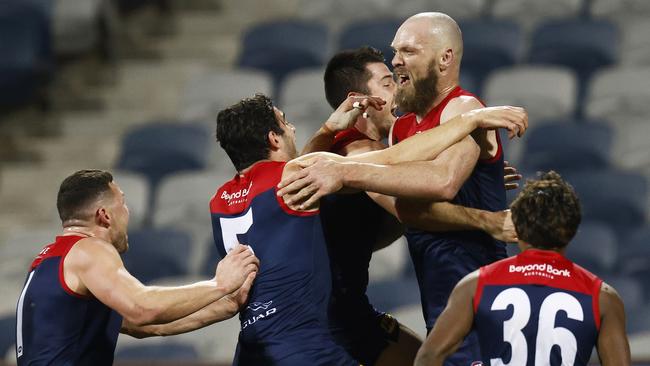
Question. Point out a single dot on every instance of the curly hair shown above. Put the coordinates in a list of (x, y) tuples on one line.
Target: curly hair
[(242, 130), (346, 72), (546, 213)]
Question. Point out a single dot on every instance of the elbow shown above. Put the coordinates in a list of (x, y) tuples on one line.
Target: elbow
[(447, 189)]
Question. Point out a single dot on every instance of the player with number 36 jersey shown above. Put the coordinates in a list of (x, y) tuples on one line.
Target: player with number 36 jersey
[(537, 308)]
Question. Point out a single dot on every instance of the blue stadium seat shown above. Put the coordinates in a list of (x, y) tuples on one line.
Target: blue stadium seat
[(281, 47), (158, 253), (488, 45), (25, 52), (594, 247), (168, 352), (376, 33), (611, 196), (7, 333), (583, 45), (567, 145), (158, 149), (635, 257)]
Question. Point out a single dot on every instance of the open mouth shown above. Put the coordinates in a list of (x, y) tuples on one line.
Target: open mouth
[(403, 79), (393, 110)]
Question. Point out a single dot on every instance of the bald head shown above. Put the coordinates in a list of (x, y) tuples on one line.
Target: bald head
[(436, 30)]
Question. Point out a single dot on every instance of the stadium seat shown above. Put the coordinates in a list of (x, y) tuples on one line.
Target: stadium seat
[(488, 45), (582, 45), (376, 33), (620, 10), (158, 253), (210, 91), (621, 97), (7, 333), (594, 247), (281, 47), (25, 52), (165, 351), (303, 98), (158, 149), (567, 146), (136, 191), (635, 257), (457, 9), (529, 13), (635, 49), (182, 202), (638, 320), (546, 92), (611, 196), (77, 24), (619, 94)]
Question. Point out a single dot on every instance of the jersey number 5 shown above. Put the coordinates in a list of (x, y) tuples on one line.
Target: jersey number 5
[(547, 334), (232, 226)]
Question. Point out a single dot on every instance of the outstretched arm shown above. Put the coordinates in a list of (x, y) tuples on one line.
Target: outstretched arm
[(324, 173), (222, 309), (93, 267)]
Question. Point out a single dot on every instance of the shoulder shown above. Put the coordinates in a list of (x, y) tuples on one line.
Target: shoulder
[(466, 287), (89, 251), (459, 105), (609, 297)]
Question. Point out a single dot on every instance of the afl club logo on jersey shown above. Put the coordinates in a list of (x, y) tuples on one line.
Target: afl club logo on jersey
[(236, 197)]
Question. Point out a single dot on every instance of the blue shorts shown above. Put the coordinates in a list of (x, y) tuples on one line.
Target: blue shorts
[(365, 334), (439, 267)]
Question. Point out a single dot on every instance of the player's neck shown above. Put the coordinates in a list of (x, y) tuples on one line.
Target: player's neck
[(442, 91), (85, 229)]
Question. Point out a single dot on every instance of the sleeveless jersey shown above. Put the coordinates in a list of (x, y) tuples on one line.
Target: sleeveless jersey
[(436, 254), (55, 325), (286, 316), (537, 308), (484, 189)]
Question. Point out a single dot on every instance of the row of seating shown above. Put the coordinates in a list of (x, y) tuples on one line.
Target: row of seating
[(583, 45), (37, 35), (526, 12)]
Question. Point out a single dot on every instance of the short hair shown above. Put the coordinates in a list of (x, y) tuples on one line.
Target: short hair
[(79, 190), (243, 127), (546, 213), (346, 72)]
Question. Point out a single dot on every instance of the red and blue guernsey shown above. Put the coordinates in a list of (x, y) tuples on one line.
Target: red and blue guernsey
[(537, 308), (285, 322), (55, 325)]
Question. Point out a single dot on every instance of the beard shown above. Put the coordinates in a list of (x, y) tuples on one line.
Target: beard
[(418, 96)]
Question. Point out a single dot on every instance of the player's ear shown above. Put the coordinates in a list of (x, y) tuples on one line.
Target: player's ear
[(446, 59), (274, 140), (102, 218)]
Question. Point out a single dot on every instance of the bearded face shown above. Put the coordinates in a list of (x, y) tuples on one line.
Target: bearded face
[(415, 95)]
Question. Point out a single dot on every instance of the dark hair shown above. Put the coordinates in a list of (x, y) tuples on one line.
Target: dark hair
[(242, 130), (79, 190), (346, 72), (547, 212)]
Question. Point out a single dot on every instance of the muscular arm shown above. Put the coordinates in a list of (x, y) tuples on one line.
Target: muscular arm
[(613, 347), (224, 308), (93, 267), (452, 326)]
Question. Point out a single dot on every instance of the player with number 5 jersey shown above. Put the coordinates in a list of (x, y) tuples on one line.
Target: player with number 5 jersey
[(285, 320), (537, 308)]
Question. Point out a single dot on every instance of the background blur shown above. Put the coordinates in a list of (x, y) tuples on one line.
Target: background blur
[(134, 86)]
